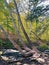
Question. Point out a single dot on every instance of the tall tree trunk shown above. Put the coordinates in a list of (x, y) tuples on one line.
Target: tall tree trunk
[(27, 37), (19, 20), (30, 27)]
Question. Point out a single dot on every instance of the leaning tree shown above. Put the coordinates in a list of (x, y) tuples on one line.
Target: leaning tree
[(5, 32), (36, 12)]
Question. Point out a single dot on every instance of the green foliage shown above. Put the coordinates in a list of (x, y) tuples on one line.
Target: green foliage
[(33, 15), (0, 42), (35, 11), (43, 47), (7, 44)]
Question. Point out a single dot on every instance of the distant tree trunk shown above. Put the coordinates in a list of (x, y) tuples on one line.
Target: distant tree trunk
[(40, 41), (30, 27)]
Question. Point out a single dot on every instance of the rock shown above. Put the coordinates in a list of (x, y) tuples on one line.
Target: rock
[(40, 60), (25, 64), (24, 51), (48, 62), (36, 55), (5, 58), (11, 58), (1, 52), (45, 58), (18, 63), (3, 62), (45, 55), (10, 51), (46, 51), (11, 55)]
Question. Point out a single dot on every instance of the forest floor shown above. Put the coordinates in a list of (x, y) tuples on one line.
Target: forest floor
[(18, 59)]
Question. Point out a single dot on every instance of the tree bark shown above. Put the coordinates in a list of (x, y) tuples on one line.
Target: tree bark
[(16, 29), (19, 20), (7, 36)]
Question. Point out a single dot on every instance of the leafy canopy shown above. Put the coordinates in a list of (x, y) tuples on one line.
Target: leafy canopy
[(35, 10)]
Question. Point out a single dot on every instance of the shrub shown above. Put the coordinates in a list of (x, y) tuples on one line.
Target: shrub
[(0, 42), (43, 47)]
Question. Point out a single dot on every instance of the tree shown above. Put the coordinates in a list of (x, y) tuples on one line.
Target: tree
[(15, 27), (19, 20), (36, 11), (10, 12), (5, 32)]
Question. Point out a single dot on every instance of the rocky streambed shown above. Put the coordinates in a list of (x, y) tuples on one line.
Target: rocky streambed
[(14, 57)]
